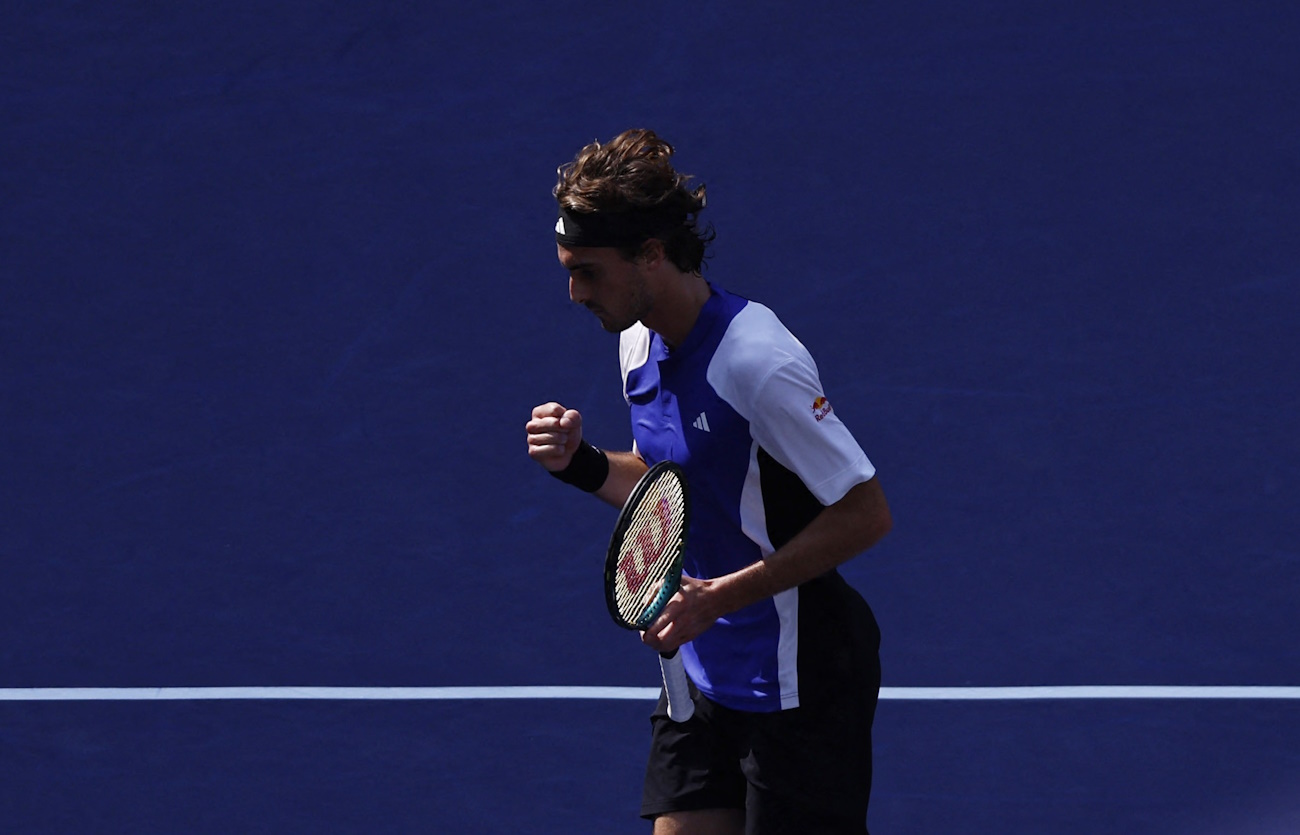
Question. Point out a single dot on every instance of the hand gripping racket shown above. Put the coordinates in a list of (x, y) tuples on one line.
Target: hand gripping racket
[(643, 568)]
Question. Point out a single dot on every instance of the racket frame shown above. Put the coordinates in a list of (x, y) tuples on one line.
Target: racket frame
[(680, 705), (673, 579)]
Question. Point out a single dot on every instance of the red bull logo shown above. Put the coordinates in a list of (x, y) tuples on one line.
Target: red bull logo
[(821, 408)]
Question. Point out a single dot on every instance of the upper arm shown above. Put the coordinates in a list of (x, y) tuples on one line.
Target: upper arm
[(866, 513)]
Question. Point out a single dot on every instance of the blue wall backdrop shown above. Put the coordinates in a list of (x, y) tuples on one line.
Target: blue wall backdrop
[(278, 291)]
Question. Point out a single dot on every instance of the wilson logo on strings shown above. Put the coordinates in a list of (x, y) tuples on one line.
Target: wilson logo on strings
[(646, 548)]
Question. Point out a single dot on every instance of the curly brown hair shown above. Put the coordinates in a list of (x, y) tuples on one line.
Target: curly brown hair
[(634, 172)]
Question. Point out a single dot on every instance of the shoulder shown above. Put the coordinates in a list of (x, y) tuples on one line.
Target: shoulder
[(757, 342), (755, 346)]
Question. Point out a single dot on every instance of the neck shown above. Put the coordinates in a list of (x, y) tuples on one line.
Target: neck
[(677, 306)]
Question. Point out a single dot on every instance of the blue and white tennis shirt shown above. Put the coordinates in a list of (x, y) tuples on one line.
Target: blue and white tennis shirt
[(740, 407)]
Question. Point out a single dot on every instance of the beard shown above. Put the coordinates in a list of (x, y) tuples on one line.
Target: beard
[(639, 304)]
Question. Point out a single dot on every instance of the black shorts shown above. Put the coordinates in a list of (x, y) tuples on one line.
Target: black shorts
[(804, 770)]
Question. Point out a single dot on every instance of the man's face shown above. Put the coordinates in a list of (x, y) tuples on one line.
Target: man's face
[(607, 284)]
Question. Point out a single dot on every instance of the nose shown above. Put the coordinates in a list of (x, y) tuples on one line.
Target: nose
[(579, 292)]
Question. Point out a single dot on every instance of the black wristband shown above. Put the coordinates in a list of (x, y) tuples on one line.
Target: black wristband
[(587, 470)]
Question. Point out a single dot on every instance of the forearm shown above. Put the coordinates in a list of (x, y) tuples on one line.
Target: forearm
[(840, 532), (848, 527), (625, 468)]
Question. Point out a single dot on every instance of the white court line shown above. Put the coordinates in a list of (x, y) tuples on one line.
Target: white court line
[(1007, 694), (128, 694)]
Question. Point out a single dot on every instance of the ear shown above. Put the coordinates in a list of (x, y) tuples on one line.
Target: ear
[(652, 253)]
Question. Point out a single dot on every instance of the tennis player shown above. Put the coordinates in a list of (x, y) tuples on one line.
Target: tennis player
[(782, 654)]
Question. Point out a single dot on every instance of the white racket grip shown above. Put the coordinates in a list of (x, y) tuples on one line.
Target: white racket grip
[(680, 706)]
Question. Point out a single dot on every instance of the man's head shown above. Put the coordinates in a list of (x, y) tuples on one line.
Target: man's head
[(626, 192)]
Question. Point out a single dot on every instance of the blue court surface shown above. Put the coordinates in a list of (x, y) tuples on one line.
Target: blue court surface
[(278, 291)]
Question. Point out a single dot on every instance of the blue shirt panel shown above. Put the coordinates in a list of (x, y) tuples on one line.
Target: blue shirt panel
[(734, 662)]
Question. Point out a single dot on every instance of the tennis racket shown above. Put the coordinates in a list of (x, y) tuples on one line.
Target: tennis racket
[(643, 568)]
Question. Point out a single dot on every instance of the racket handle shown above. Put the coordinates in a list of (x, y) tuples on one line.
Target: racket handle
[(680, 705)]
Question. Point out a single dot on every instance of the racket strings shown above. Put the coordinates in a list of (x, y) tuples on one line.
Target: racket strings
[(650, 546)]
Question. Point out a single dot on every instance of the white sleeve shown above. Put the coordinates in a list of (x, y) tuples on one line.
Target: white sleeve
[(768, 376), (798, 427)]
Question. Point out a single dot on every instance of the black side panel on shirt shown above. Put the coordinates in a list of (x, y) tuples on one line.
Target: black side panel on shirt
[(787, 502)]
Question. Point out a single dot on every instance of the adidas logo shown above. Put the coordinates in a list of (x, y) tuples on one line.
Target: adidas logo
[(701, 423)]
